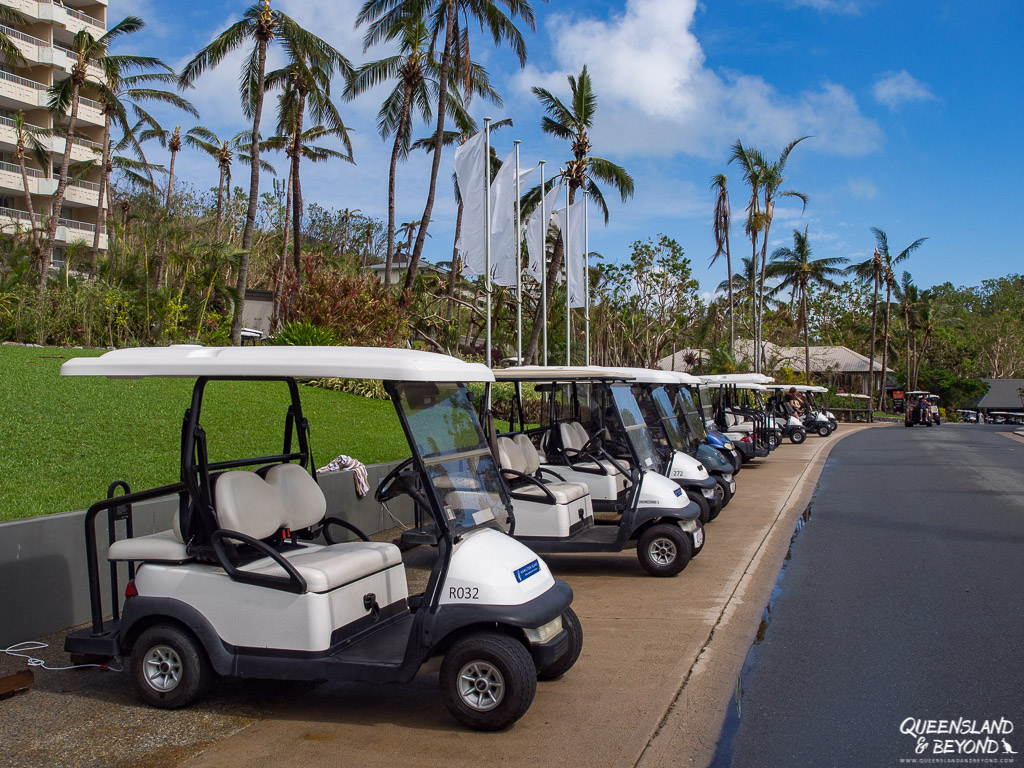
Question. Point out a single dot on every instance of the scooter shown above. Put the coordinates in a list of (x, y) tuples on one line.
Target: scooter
[(240, 586), (592, 453)]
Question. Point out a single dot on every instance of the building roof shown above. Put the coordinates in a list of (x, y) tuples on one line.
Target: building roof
[(1003, 394), (823, 359)]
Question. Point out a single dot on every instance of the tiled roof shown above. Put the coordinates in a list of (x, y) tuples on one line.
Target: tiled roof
[(823, 359), (1002, 395)]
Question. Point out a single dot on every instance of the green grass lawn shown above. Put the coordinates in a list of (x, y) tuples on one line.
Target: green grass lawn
[(63, 440)]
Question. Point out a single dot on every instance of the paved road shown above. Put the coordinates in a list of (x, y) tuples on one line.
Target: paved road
[(902, 599)]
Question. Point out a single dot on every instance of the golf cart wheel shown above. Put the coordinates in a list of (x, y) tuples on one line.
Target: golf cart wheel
[(797, 436), (488, 681), (664, 549), (726, 492), (908, 423), (774, 441), (554, 670), (169, 667), (824, 430), (705, 509), (720, 501)]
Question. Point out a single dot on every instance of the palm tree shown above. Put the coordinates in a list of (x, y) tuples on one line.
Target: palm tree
[(385, 19), (8, 48), (28, 139), (801, 274), (415, 70), (259, 26), (64, 100), (306, 79), (871, 269), (573, 122), (223, 151), (907, 296), (721, 223), (751, 163), (888, 262)]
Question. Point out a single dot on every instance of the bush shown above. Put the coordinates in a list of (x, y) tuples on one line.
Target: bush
[(371, 388), (305, 334)]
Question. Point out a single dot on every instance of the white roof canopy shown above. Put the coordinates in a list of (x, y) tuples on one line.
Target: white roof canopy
[(645, 375), (559, 373), (192, 361), (738, 378)]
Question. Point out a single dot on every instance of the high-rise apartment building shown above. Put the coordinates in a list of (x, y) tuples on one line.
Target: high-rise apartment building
[(46, 45)]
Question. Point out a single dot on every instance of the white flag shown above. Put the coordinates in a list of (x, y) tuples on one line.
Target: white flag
[(503, 223), (537, 232), (572, 236), (469, 173)]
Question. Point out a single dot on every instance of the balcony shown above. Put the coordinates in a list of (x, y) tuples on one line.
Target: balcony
[(77, 21), (65, 58), (68, 230), (32, 48), (81, 148), (10, 178), (21, 89)]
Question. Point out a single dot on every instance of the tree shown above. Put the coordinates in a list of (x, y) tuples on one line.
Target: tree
[(29, 140), (416, 70), (888, 262), (223, 151), (871, 269), (306, 79), (721, 223), (800, 273), (385, 17), (64, 100), (573, 123), (258, 27)]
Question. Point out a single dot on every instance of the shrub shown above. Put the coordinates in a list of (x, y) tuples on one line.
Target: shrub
[(304, 334)]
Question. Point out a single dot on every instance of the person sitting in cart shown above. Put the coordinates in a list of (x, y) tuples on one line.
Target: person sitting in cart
[(792, 402)]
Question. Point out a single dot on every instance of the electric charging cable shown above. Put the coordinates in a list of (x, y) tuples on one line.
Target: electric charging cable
[(18, 649)]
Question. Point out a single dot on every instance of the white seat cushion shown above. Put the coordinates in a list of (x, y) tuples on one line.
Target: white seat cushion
[(248, 504), (304, 502), (333, 566), (163, 547)]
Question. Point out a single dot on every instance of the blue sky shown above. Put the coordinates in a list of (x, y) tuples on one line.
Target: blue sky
[(915, 115)]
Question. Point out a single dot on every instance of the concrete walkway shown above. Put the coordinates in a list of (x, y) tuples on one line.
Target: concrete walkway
[(659, 664)]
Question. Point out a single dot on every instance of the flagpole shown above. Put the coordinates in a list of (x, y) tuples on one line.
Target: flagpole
[(586, 276), (543, 265), (487, 235), (565, 262), (519, 267)]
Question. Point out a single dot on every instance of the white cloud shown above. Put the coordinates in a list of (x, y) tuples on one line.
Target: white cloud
[(658, 97), (834, 6), (862, 188), (894, 89)]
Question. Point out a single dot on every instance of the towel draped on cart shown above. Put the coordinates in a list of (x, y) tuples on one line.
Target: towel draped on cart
[(347, 464)]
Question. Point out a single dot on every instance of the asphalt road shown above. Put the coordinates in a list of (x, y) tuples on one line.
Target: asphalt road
[(902, 598)]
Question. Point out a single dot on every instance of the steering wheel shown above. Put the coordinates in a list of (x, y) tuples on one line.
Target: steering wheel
[(389, 487), (590, 445)]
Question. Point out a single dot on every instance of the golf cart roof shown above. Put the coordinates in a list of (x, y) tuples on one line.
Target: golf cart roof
[(918, 393), (191, 361), (560, 373), (738, 378), (859, 397), (645, 375), (798, 387), (687, 378)]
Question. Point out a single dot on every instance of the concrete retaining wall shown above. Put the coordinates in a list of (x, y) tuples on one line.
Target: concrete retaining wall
[(44, 585)]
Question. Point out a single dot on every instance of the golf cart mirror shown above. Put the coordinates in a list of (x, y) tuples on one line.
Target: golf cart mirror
[(420, 394)]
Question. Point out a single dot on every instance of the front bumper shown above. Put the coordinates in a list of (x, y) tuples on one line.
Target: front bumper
[(545, 654)]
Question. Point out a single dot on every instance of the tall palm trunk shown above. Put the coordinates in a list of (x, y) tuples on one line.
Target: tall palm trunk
[(396, 152), (885, 343), (906, 321), (33, 235), (254, 192), (278, 316), (456, 262), (732, 316), (57, 203), (94, 257), (807, 337), (442, 112), (297, 197), (161, 264), (874, 330), (220, 203)]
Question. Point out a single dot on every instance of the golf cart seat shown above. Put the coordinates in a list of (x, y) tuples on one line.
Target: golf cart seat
[(520, 469), (574, 436), (289, 498), (163, 547)]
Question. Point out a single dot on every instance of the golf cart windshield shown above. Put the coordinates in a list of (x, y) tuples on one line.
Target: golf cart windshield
[(693, 416), (455, 454), (669, 421), (635, 426)]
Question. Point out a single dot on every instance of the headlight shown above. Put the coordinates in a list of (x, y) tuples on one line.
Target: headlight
[(709, 493), (543, 634), (728, 446)]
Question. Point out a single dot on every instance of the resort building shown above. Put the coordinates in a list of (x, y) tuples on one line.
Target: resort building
[(46, 45)]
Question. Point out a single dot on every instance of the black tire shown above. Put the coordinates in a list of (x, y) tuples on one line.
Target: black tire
[(797, 436), (774, 440), (824, 430), (664, 549), (169, 668), (571, 624), (718, 503), (483, 667), (937, 421), (908, 423), (727, 493), (698, 498), (736, 459)]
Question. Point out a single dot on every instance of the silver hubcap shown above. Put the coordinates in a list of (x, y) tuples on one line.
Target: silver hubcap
[(662, 551), (162, 667), (481, 685)]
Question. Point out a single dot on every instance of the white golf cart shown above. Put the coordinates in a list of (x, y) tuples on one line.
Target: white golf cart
[(813, 420), (741, 413), (705, 475), (592, 452), (693, 403), (239, 587)]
